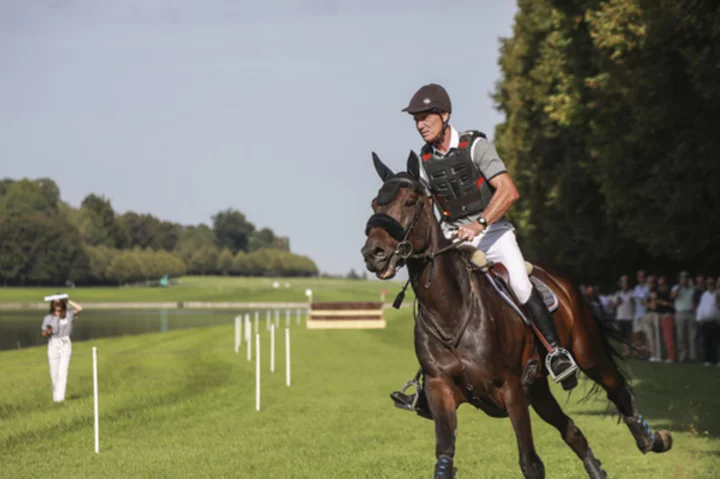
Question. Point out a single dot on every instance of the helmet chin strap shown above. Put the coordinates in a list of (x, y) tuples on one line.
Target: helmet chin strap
[(441, 138)]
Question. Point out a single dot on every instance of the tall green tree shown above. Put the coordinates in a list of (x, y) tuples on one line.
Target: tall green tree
[(608, 118), (232, 230), (26, 196), (37, 248)]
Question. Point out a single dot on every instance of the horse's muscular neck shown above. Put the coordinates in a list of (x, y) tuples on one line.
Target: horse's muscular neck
[(449, 283)]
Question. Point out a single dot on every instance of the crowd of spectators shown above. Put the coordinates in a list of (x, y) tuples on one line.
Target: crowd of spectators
[(677, 323)]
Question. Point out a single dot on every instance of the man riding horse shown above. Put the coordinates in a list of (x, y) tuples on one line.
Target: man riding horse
[(473, 192)]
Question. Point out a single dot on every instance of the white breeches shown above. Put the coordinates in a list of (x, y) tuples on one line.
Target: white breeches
[(59, 352), (500, 246)]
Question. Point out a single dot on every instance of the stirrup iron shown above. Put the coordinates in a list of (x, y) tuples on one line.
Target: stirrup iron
[(568, 372), (414, 383)]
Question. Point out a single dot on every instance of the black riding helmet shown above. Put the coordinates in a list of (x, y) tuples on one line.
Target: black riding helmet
[(431, 98)]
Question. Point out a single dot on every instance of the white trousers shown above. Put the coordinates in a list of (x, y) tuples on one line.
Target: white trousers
[(59, 352), (500, 246)]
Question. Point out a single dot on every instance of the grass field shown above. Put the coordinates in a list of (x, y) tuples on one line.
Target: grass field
[(218, 288), (181, 404)]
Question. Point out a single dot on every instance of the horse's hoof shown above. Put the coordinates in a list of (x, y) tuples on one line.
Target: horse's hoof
[(595, 471), (593, 467), (444, 468), (662, 441)]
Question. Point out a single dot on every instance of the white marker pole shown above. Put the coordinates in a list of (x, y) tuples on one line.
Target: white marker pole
[(249, 338), (272, 348), (95, 401), (287, 356), (238, 335), (297, 316), (287, 318), (257, 372), (277, 318), (267, 320), (257, 319)]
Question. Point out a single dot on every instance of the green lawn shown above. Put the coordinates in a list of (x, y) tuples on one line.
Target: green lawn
[(181, 404), (218, 288)]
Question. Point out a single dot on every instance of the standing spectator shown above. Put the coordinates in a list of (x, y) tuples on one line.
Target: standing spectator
[(685, 324), (57, 325), (708, 316), (699, 290), (651, 321), (605, 302), (640, 293), (595, 304), (624, 303), (665, 310)]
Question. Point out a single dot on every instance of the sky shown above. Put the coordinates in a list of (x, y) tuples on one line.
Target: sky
[(184, 108)]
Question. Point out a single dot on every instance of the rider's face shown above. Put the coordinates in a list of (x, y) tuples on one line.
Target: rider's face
[(430, 125)]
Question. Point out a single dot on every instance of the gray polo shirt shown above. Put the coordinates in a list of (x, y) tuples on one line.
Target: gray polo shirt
[(61, 327), (487, 160)]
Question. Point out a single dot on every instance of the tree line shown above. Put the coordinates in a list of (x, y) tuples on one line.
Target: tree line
[(44, 240), (611, 134)]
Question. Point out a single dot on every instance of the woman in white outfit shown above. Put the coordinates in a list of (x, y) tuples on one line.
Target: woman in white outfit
[(57, 326)]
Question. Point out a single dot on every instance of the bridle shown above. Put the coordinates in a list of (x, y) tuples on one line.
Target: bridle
[(404, 248)]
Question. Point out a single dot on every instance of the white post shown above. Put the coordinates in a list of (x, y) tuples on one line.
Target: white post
[(95, 401), (257, 372), (238, 335), (287, 356), (267, 320), (249, 340), (297, 316), (257, 319), (272, 348), (277, 318), (287, 318)]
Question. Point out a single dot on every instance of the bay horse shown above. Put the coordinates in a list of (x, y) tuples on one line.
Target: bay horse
[(472, 345)]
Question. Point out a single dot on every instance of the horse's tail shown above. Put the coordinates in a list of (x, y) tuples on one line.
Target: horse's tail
[(609, 333), (613, 341)]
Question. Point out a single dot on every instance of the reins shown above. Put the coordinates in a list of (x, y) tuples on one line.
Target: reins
[(405, 250)]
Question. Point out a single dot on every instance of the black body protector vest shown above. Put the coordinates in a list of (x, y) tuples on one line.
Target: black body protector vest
[(458, 185)]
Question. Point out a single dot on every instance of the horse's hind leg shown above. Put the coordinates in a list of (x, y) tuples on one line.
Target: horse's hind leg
[(549, 411), (517, 407), (622, 396)]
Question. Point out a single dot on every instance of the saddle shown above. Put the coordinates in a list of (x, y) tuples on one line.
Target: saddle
[(498, 276)]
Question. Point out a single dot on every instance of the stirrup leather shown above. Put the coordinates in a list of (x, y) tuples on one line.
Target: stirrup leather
[(568, 372)]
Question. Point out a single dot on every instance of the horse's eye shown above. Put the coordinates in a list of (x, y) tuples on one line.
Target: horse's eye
[(410, 202)]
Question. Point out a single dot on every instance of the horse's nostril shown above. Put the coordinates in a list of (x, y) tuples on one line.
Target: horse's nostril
[(379, 253)]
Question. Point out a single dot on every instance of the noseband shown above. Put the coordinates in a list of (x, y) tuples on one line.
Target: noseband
[(388, 192)]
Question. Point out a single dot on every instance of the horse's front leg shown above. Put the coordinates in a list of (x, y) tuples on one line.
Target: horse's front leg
[(443, 404), (517, 408)]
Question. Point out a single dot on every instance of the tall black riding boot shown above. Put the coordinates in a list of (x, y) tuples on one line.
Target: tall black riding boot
[(559, 362)]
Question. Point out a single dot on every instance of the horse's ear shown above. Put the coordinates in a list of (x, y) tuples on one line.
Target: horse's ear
[(413, 166), (383, 171)]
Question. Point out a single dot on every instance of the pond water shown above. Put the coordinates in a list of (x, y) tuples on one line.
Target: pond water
[(21, 329)]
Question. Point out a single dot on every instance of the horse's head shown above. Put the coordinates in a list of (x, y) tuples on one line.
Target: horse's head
[(400, 224)]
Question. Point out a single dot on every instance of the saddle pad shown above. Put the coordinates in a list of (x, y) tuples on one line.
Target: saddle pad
[(549, 297), (503, 290)]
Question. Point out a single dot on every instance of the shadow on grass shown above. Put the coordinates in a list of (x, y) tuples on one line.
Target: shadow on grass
[(678, 397)]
